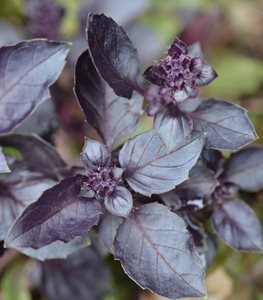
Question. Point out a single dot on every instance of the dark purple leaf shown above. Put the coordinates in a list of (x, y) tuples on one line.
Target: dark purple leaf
[(19, 189), (37, 155), (201, 182), (83, 275), (245, 168), (204, 242), (56, 250), (113, 54), (3, 164), (120, 202), (238, 226), (182, 201), (213, 160), (24, 85), (157, 251), (153, 169), (173, 128), (95, 154), (190, 195), (113, 117), (2, 248), (58, 215), (225, 124), (107, 229)]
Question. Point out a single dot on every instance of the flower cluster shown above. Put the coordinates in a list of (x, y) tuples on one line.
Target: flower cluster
[(103, 180), (179, 74)]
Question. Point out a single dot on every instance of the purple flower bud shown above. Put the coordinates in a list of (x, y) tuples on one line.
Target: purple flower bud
[(102, 178), (181, 72), (102, 181)]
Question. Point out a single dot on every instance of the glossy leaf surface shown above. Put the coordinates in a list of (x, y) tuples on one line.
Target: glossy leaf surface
[(226, 125), (153, 169), (238, 226), (157, 251), (27, 69), (113, 54), (58, 215), (112, 116)]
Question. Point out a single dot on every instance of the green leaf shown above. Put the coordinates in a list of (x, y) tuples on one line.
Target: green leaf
[(14, 282), (238, 75)]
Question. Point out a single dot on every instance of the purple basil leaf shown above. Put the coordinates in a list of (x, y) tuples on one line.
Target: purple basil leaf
[(56, 250), (157, 251), (153, 169), (43, 122), (3, 164), (201, 182), (189, 104), (24, 85), (113, 117), (37, 155), (173, 128), (83, 275), (182, 201), (189, 195), (94, 154), (120, 202), (18, 190), (245, 169), (238, 226), (204, 242), (107, 229), (113, 54), (213, 160), (58, 215), (226, 125)]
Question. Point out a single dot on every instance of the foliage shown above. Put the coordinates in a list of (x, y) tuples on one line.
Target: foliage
[(147, 202)]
